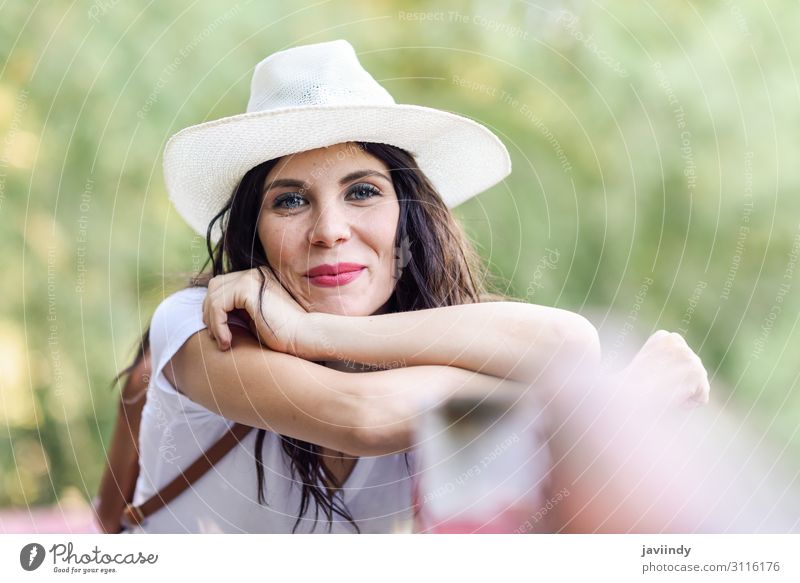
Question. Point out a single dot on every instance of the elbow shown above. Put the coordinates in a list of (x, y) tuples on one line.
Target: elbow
[(380, 433), (556, 344), (372, 441), (578, 342)]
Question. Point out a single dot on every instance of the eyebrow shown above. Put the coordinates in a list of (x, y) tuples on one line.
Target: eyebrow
[(294, 183)]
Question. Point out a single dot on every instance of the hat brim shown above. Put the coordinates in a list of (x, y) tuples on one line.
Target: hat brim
[(205, 162)]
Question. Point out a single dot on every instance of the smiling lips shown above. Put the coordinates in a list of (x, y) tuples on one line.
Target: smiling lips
[(334, 275)]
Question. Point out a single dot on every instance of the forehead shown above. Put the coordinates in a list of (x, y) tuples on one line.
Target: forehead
[(325, 163)]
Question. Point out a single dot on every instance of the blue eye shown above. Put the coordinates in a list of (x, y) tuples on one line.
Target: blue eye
[(366, 189), (291, 196), (362, 191)]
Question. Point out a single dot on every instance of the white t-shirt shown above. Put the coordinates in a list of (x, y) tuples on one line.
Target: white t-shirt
[(175, 431)]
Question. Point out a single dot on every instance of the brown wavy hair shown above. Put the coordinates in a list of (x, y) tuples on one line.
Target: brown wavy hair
[(439, 266)]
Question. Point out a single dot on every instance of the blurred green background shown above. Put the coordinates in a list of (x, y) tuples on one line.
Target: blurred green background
[(655, 182)]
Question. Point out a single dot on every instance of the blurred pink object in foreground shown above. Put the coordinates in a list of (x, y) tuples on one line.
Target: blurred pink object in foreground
[(482, 467), (47, 520)]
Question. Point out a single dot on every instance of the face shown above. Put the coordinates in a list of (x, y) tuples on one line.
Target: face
[(324, 208)]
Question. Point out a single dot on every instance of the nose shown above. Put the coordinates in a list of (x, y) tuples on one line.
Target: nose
[(331, 225)]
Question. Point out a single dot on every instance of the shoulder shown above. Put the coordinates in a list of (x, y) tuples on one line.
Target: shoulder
[(177, 312), (179, 316), (190, 296)]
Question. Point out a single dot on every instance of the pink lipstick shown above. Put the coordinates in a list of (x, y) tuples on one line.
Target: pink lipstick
[(334, 275)]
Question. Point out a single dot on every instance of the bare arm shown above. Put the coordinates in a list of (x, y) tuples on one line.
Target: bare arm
[(370, 413), (262, 388), (466, 347), (119, 476), (513, 340)]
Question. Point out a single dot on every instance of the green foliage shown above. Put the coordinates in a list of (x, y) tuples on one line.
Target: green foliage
[(648, 141)]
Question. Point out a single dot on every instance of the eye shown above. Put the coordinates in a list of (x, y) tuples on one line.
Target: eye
[(289, 197), (365, 189)]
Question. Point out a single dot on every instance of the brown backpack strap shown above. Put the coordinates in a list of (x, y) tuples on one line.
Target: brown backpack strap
[(135, 515)]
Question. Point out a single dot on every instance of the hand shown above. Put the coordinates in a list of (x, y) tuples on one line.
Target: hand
[(668, 368), (241, 290)]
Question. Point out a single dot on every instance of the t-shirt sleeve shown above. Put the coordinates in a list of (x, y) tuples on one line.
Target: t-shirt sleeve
[(174, 321)]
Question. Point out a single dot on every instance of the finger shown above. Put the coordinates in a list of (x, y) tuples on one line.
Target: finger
[(704, 393), (225, 338), (218, 302), (219, 305), (655, 339), (690, 404), (210, 301), (659, 334), (703, 389), (219, 327), (228, 294), (679, 339), (206, 305), (701, 371), (699, 396), (209, 304)]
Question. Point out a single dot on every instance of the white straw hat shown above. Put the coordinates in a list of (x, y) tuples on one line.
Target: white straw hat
[(319, 95)]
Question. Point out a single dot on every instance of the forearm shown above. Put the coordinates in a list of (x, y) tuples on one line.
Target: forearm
[(114, 489), (391, 402), (119, 476), (511, 340)]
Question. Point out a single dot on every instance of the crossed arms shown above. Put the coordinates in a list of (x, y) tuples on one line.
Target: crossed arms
[(447, 351)]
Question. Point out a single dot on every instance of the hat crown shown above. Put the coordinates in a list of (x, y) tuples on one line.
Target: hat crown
[(314, 96), (326, 73)]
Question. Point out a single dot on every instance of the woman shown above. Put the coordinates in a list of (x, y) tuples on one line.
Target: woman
[(337, 247)]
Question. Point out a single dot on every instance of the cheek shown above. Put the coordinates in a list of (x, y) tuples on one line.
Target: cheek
[(276, 241), (383, 229)]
